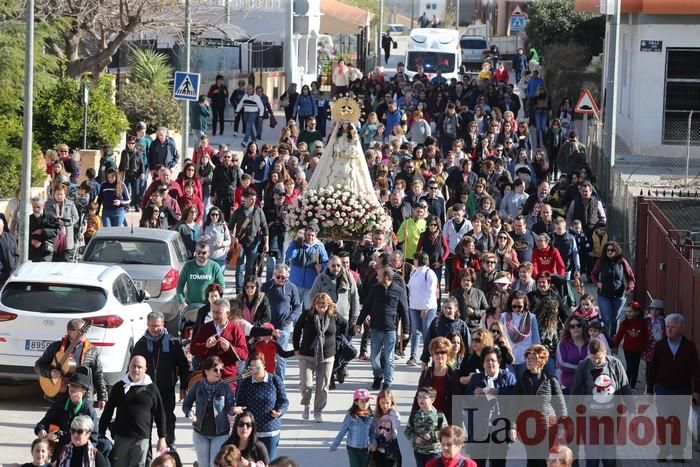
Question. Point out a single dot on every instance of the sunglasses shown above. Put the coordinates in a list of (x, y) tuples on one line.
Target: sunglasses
[(489, 262), (217, 370), (434, 225), (214, 214), (574, 326), (517, 307), (610, 250), (281, 278), (200, 252), (495, 331), (250, 286), (244, 425), (78, 431)]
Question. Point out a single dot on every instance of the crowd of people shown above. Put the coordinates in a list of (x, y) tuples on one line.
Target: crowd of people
[(481, 280)]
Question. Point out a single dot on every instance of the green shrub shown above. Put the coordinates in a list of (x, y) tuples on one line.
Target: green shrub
[(11, 156), (58, 115), (156, 108)]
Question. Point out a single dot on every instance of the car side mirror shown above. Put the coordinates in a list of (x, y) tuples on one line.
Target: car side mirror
[(143, 296)]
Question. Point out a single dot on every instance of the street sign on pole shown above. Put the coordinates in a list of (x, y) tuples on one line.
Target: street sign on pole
[(517, 23), (586, 104), (186, 86)]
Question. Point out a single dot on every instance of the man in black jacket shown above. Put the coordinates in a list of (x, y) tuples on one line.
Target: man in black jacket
[(163, 151), (218, 94), (137, 403), (248, 226), (386, 304), (224, 181), (166, 362)]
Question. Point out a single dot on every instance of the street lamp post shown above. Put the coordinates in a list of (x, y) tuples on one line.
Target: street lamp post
[(27, 135), (186, 103)]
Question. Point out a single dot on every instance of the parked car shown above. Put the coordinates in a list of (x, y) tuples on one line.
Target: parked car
[(152, 257), (39, 299), (397, 29), (474, 50)]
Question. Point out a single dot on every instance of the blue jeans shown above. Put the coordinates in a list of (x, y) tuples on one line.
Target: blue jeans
[(114, 219), (207, 447), (249, 119), (382, 354), (420, 325), (271, 443), (305, 295), (283, 341), (134, 186), (246, 265), (541, 123), (610, 309), (270, 264)]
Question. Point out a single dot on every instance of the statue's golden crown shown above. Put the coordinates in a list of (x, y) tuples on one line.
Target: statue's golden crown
[(346, 109)]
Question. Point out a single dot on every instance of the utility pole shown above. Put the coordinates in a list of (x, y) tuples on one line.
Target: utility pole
[(612, 86), (186, 103), (413, 11), (378, 57), (290, 62), (24, 210)]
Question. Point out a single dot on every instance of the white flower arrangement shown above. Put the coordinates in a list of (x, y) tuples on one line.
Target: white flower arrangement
[(339, 213)]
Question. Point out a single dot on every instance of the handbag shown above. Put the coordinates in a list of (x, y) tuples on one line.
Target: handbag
[(273, 121), (61, 242), (284, 102)]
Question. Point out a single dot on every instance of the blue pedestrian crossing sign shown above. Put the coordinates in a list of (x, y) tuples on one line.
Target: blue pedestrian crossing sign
[(517, 23), (186, 86)]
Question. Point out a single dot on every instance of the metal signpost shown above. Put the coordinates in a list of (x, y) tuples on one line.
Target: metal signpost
[(517, 24)]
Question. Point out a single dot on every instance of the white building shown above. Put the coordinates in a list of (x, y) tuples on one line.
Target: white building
[(659, 74)]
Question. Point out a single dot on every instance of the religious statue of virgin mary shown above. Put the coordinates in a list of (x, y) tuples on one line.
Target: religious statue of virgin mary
[(343, 160)]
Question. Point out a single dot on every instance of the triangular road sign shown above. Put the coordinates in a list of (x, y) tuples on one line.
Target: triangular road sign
[(517, 12), (586, 104)]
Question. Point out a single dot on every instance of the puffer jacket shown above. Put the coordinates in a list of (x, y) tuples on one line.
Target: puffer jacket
[(474, 299), (549, 395)]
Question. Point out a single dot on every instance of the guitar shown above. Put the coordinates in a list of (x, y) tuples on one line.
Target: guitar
[(64, 361), (199, 376)]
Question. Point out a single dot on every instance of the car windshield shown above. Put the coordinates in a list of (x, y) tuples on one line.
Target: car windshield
[(120, 251), (473, 44), (53, 298), (431, 61)]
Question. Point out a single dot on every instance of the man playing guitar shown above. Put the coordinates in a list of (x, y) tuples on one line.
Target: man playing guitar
[(84, 355)]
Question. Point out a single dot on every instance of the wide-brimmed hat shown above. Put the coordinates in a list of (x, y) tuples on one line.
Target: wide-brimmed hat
[(80, 378)]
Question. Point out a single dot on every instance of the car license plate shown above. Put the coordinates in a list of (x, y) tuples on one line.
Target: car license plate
[(34, 345), (138, 284)]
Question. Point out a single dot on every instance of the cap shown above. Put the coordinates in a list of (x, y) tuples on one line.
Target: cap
[(502, 278), (80, 379), (361, 394), (318, 144), (657, 303), (219, 76)]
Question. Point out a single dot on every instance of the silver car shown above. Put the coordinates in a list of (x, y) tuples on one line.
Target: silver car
[(474, 51), (152, 257)]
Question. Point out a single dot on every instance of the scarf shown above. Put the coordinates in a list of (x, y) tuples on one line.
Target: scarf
[(164, 340), (210, 389), (321, 327), (586, 314), (521, 332), (342, 282), (128, 383), (67, 454)]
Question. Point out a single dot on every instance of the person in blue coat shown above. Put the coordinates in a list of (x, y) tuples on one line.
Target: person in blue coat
[(305, 106), (307, 258)]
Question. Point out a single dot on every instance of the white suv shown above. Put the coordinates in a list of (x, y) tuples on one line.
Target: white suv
[(39, 299)]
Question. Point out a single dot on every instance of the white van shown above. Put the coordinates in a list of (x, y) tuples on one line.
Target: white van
[(433, 49)]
